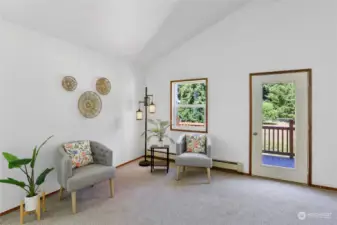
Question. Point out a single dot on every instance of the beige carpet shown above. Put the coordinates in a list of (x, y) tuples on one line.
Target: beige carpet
[(157, 199)]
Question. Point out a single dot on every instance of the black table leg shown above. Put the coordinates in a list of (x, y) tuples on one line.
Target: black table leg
[(152, 160), (167, 160)]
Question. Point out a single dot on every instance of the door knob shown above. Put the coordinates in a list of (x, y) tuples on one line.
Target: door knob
[(255, 133)]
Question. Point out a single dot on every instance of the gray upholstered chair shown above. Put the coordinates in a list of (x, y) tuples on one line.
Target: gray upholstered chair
[(185, 159), (75, 179)]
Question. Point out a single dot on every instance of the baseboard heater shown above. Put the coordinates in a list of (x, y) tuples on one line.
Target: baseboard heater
[(217, 164)]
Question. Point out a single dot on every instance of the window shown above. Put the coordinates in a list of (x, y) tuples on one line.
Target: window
[(189, 105)]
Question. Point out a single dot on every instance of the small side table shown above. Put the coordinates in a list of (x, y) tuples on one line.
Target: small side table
[(162, 163)]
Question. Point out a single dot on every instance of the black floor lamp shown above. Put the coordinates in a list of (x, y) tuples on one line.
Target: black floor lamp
[(139, 116)]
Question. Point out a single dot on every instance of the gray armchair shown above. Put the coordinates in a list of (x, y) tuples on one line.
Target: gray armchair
[(78, 178), (184, 158)]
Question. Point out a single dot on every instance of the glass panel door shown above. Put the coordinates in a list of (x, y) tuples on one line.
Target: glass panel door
[(278, 124)]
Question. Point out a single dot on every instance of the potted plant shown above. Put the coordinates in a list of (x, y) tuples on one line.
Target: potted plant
[(32, 185), (159, 131)]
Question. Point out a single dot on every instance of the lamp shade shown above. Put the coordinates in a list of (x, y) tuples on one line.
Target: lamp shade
[(152, 108), (139, 114)]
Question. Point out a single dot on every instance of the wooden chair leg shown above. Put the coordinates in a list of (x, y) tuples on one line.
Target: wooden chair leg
[(178, 171), (112, 188), (209, 175), (60, 193), (73, 201)]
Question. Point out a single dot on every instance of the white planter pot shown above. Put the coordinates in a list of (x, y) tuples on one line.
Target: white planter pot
[(31, 203), (161, 144)]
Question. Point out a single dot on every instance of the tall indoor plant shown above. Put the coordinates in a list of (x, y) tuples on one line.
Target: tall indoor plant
[(32, 185), (159, 131)]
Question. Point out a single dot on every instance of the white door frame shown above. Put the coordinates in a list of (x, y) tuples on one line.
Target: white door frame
[(285, 72)]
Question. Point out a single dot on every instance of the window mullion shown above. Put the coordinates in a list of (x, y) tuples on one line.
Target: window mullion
[(190, 106)]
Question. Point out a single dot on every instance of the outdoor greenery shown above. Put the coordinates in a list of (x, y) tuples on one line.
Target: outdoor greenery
[(15, 163), (278, 101), (192, 94)]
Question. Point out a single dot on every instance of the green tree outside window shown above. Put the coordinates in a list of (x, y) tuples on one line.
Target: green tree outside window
[(191, 94)]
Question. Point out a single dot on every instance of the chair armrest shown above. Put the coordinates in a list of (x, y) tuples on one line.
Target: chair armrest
[(101, 154), (63, 167), (181, 144), (209, 147)]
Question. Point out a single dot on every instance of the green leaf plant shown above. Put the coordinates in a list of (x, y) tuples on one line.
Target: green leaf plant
[(32, 185), (159, 130)]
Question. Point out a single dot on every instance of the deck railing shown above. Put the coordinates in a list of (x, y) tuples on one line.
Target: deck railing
[(189, 124), (278, 140)]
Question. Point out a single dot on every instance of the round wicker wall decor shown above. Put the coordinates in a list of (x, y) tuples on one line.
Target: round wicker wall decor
[(103, 86), (89, 104), (69, 83)]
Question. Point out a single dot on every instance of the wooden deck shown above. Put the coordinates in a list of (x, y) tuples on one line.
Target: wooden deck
[(271, 160)]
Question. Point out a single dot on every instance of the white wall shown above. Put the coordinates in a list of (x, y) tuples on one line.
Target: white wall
[(263, 36), (34, 104)]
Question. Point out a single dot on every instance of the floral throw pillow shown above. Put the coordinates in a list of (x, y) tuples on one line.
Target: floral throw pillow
[(79, 152), (196, 143)]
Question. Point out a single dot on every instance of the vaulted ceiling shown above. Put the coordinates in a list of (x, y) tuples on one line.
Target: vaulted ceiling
[(140, 30), (187, 19)]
